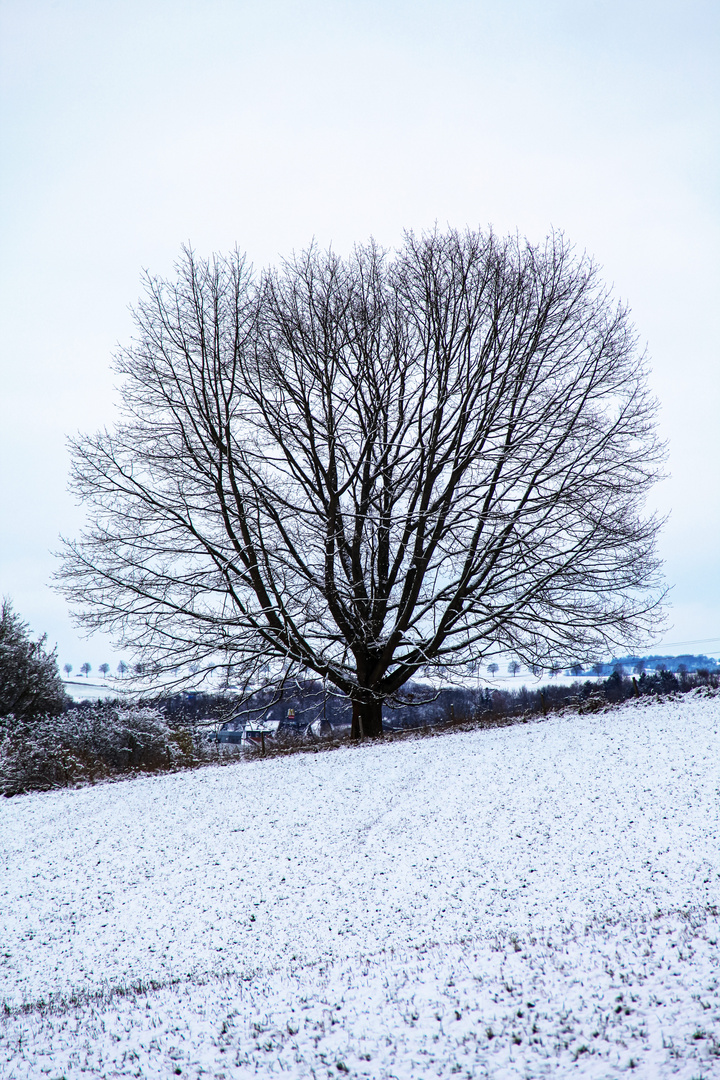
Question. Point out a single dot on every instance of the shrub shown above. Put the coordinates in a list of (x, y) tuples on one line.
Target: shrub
[(90, 743), (30, 682)]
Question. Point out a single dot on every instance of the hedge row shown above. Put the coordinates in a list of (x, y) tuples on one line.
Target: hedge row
[(93, 743)]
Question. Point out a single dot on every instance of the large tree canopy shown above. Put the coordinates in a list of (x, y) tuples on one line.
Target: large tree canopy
[(372, 467)]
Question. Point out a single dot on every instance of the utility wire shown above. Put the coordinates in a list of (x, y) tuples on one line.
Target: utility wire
[(698, 641)]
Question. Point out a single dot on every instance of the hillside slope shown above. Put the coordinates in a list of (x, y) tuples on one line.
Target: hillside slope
[(526, 901)]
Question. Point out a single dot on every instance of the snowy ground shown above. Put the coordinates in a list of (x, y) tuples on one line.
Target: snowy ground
[(503, 681), (539, 900), (81, 690)]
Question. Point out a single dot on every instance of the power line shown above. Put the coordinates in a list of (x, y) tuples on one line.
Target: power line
[(698, 641)]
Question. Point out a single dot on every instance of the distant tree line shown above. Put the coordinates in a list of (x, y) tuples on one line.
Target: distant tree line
[(426, 708), (104, 669), (636, 665)]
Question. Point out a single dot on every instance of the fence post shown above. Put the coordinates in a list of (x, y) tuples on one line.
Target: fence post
[(262, 742)]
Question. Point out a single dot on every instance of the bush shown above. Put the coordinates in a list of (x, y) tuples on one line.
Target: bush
[(30, 682), (91, 743)]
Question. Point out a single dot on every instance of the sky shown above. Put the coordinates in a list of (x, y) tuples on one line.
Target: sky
[(130, 128)]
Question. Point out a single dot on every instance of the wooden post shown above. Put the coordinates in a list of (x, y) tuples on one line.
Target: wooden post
[(262, 742)]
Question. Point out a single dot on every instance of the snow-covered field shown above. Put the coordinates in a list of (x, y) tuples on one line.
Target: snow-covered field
[(539, 900), (82, 690)]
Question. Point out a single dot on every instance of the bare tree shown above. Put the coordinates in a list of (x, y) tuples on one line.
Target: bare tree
[(372, 468), (86, 669), (513, 667)]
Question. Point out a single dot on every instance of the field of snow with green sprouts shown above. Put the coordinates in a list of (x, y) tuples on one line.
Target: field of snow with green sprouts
[(529, 901)]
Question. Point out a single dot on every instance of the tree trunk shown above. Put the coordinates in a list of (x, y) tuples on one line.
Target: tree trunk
[(366, 719)]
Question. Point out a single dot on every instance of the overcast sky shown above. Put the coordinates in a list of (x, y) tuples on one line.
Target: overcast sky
[(129, 128)]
